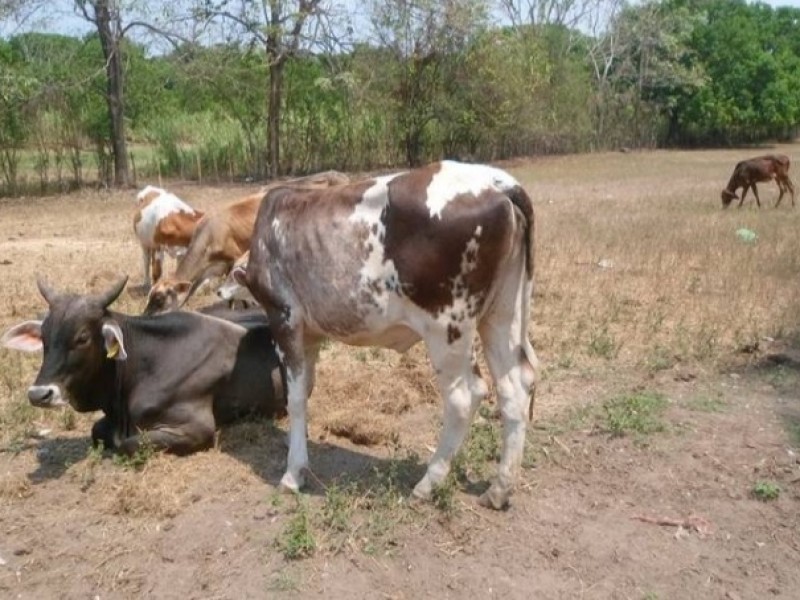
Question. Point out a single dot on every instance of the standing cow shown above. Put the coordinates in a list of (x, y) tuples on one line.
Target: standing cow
[(174, 377), (163, 223), (435, 254)]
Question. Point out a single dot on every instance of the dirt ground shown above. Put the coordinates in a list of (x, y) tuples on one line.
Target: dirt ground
[(666, 512)]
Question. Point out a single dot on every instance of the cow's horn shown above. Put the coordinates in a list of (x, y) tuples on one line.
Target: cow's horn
[(45, 290), (113, 292)]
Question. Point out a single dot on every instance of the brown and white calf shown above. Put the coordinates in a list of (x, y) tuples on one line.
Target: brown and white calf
[(754, 170), (436, 254), (221, 237), (163, 223)]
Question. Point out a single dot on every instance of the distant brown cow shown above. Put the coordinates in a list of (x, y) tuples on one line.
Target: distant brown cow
[(221, 237), (761, 168)]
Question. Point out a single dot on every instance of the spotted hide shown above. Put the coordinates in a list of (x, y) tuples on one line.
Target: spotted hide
[(434, 254)]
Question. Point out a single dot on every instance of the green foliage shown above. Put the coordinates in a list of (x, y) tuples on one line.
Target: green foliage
[(766, 491), (638, 413), (296, 540)]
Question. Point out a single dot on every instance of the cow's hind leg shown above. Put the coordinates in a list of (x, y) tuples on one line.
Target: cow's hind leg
[(462, 390), (300, 365), (512, 363)]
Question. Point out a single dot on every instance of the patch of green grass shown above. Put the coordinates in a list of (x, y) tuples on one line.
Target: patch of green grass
[(766, 491), (792, 427), (781, 377), (138, 459), (638, 413), (285, 581), (603, 344), (337, 508), (444, 495), (659, 359), (296, 540), (706, 403)]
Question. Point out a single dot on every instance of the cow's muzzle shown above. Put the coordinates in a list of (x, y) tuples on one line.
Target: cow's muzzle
[(46, 396)]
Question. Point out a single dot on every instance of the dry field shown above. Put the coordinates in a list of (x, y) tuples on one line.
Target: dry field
[(662, 461)]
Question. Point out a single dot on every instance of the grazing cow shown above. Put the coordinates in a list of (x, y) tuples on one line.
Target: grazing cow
[(221, 237), (172, 378), (162, 222), (435, 254), (761, 168)]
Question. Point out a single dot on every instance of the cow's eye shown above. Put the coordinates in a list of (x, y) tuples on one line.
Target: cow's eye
[(82, 338)]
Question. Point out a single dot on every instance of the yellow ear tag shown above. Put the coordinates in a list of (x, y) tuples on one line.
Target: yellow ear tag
[(113, 350)]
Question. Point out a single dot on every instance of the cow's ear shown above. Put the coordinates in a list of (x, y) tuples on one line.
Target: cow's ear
[(27, 336), (239, 275), (181, 287), (114, 343)]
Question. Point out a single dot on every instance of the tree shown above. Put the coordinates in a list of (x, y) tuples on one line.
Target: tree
[(282, 29), (423, 37), (106, 17)]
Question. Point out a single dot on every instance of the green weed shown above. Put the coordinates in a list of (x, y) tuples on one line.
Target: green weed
[(638, 413), (766, 491), (296, 540)]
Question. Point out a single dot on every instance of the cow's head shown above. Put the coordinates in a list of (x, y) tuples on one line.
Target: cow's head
[(78, 336), (166, 295), (234, 287), (727, 197)]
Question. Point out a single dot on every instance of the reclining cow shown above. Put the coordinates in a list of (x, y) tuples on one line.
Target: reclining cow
[(437, 254), (221, 237), (172, 378)]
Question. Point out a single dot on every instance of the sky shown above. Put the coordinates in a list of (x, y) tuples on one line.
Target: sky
[(59, 17)]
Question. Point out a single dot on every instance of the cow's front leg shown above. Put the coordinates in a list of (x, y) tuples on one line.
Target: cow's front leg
[(103, 433), (181, 440), (178, 427)]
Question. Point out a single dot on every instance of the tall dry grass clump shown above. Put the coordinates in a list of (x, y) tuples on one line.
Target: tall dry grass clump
[(638, 263)]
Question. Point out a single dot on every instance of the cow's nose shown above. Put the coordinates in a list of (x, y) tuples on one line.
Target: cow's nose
[(41, 394)]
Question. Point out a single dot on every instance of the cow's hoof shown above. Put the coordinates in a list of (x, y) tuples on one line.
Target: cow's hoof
[(289, 485), (422, 491), (495, 497)]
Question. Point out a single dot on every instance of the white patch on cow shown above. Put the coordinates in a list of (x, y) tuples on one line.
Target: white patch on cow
[(152, 214), (278, 231), (464, 306), (377, 273), (454, 179)]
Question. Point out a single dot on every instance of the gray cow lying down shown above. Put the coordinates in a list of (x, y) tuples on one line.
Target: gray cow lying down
[(174, 377)]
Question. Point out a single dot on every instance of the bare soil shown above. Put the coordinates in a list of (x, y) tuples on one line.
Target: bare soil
[(667, 514)]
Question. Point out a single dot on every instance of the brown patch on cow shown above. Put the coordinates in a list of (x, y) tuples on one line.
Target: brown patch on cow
[(148, 198), (453, 333), (176, 229), (426, 249)]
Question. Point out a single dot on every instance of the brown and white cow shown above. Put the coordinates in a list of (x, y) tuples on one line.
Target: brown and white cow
[(221, 237), (435, 254), (162, 222)]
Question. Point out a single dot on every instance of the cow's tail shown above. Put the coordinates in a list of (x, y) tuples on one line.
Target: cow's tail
[(528, 360), (519, 198)]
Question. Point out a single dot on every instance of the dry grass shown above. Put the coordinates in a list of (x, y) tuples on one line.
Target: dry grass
[(681, 286)]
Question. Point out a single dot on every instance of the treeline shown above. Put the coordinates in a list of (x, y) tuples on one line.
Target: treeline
[(467, 79)]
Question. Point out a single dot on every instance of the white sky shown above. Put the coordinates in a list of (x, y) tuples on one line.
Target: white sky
[(59, 16)]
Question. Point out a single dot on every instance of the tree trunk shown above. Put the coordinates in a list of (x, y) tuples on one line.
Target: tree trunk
[(114, 89), (274, 117)]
